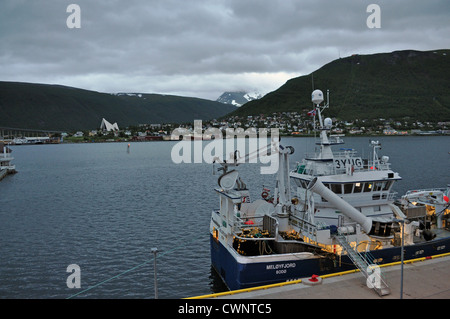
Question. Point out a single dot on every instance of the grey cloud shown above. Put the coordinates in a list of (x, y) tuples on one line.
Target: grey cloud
[(210, 43)]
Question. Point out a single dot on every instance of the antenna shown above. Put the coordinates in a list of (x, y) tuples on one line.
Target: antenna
[(328, 98)]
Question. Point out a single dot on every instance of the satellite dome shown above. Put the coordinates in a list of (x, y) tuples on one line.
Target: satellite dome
[(317, 97), (328, 122)]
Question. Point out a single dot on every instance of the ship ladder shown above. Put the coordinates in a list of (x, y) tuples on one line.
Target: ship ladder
[(363, 263)]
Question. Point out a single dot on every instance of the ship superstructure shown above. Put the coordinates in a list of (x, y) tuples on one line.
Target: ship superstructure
[(364, 183)]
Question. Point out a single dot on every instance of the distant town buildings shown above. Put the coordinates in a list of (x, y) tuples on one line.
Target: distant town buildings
[(288, 124)]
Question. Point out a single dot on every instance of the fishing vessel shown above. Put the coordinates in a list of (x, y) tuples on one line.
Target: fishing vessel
[(5, 161), (340, 213)]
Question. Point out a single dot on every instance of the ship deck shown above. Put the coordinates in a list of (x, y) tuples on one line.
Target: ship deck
[(440, 233)]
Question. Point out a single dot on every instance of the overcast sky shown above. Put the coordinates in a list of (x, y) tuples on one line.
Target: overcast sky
[(203, 47)]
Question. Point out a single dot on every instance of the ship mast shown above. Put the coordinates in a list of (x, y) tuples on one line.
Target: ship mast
[(325, 125)]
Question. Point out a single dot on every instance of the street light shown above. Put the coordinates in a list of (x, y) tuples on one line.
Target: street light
[(155, 251), (402, 221)]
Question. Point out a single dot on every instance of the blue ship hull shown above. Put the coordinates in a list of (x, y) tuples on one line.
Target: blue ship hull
[(237, 275)]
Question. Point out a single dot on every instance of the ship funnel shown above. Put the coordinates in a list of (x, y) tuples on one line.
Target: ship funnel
[(348, 210)]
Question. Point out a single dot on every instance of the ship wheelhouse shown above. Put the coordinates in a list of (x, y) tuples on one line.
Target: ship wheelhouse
[(366, 184)]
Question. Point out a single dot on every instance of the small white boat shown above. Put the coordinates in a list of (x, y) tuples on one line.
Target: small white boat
[(5, 161)]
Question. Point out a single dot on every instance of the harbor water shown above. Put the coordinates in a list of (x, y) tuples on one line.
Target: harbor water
[(104, 206)]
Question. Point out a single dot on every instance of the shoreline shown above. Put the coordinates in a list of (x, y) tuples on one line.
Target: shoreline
[(84, 141)]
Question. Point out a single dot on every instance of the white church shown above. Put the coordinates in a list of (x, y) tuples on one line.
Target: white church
[(106, 126)]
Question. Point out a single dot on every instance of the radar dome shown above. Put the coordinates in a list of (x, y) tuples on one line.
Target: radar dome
[(328, 122), (228, 180), (317, 97)]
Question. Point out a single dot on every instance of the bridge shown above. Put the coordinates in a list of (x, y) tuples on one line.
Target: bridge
[(26, 135)]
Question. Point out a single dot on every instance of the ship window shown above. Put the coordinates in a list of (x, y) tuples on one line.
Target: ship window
[(336, 188), (358, 187), (378, 186), (327, 186), (348, 188), (301, 183), (368, 187), (215, 234), (387, 185)]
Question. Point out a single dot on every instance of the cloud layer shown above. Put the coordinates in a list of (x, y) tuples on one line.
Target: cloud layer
[(202, 47)]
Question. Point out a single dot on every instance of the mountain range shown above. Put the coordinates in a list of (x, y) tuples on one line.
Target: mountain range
[(401, 84), (56, 107), (238, 98), (397, 85)]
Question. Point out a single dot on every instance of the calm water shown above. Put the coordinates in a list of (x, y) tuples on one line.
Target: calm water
[(103, 208)]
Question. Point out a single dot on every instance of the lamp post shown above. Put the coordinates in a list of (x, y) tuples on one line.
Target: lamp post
[(155, 251), (401, 221)]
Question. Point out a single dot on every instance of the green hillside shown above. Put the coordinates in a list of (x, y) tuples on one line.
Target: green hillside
[(55, 107), (393, 85)]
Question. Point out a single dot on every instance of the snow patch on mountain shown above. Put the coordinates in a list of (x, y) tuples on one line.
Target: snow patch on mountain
[(239, 98)]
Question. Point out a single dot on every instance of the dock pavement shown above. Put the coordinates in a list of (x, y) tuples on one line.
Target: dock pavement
[(424, 279)]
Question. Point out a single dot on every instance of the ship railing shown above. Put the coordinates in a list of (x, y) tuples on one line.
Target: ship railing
[(316, 169), (333, 139), (308, 229), (320, 168), (366, 167), (392, 195), (336, 155), (6, 156), (345, 153), (426, 190)]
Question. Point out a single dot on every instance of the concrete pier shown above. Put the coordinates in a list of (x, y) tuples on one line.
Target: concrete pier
[(422, 279)]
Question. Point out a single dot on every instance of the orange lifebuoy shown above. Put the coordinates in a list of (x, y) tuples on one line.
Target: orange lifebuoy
[(264, 194)]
